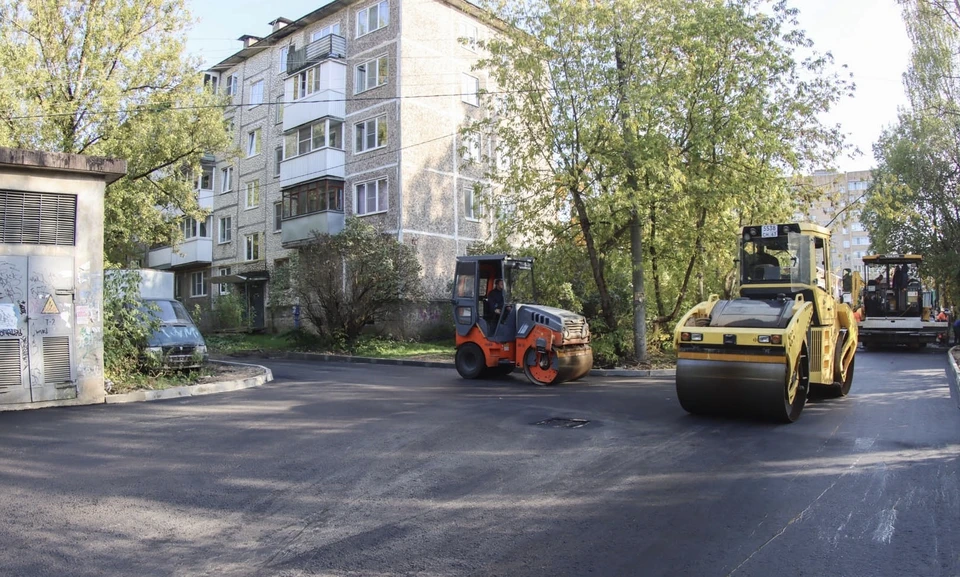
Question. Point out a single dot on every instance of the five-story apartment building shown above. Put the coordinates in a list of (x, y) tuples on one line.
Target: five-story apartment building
[(353, 110)]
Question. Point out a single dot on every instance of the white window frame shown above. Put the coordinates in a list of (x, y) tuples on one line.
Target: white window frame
[(202, 276), (471, 148), (326, 31), (277, 216), (363, 18), (254, 142), (361, 132), (212, 80), (278, 113), (224, 287), (470, 33), (367, 75), (226, 179), (382, 190), (284, 54), (472, 209), (203, 170), (232, 82), (251, 247), (251, 198), (277, 159), (256, 93), (470, 89), (224, 229)]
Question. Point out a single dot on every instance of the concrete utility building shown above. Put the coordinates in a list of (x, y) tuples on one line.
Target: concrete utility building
[(351, 110), (51, 277)]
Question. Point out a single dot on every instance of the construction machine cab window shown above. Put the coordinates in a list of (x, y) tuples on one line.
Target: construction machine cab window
[(784, 258)]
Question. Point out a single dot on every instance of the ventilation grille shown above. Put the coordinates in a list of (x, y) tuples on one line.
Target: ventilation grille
[(10, 363), (38, 218), (815, 349), (56, 360)]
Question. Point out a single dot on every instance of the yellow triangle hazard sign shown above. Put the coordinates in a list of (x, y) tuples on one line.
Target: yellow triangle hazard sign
[(51, 307)]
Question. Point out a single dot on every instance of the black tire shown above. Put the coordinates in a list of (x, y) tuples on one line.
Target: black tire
[(470, 361), (838, 390), (799, 383), (499, 371)]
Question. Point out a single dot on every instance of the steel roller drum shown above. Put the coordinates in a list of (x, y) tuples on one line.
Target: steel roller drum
[(565, 364), (733, 388)]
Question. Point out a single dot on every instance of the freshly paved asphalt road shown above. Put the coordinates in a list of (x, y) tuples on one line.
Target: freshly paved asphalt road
[(345, 469)]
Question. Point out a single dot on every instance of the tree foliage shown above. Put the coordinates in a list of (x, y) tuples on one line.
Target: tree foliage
[(682, 122), (913, 205), (127, 324), (345, 281), (110, 78)]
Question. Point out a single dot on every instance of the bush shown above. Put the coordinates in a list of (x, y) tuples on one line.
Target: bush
[(127, 325), (228, 309)]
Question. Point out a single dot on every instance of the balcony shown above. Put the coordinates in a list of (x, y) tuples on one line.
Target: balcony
[(302, 229), (326, 103), (205, 199), (191, 252), (311, 166), (331, 46)]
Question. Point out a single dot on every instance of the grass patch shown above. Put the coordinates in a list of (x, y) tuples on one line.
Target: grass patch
[(394, 349), (226, 344), (159, 381), (379, 347)]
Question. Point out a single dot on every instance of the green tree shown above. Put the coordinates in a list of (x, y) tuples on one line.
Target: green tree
[(913, 205), (655, 136), (110, 78), (127, 324), (345, 281)]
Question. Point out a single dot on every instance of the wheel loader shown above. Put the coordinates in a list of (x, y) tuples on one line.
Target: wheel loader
[(551, 345), (786, 333)]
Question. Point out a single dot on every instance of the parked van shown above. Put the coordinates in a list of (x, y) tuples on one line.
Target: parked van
[(177, 343)]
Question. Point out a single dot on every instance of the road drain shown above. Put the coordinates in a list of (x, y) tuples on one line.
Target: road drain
[(563, 423)]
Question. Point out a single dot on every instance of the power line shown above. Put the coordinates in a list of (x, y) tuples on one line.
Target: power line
[(161, 108)]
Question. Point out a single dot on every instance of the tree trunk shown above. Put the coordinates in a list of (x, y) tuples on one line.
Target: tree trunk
[(639, 294), (596, 264)]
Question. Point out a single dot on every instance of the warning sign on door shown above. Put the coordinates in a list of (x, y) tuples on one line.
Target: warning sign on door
[(50, 308)]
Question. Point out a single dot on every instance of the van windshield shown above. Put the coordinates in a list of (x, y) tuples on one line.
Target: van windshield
[(168, 311)]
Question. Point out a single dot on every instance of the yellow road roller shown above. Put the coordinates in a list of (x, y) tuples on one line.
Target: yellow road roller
[(786, 333)]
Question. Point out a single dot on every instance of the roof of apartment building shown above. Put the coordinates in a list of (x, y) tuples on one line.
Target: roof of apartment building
[(283, 27)]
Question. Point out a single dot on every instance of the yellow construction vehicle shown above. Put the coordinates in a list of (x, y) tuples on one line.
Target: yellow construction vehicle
[(896, 305), (761, 353)]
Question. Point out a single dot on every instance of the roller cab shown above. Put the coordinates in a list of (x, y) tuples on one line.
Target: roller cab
[(550, 345), (761, 353)]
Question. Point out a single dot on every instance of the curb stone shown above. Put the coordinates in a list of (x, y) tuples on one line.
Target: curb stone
[(196, 390), (291, 355), (954, 376)]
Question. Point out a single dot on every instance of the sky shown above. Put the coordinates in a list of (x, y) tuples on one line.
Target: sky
[(866, 35)]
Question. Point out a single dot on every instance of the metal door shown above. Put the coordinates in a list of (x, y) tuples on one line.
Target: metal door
[(14, 360), (51, 327)]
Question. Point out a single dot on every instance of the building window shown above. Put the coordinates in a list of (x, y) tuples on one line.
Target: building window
[(211, 81), (224, 287), (471, 148), (306, 139), (278, 104), (472, 206), (198, 284), (470, 90), (226, 179), (283, 56), (373, 18), (232, 82), (253, 143), (326, 31), (846, 244), (256, 93), (253, 194), (225, 230), (277, 159), (468, 35), (371, 196), (252, 246), (370, 74), (371, 134), (311, 197), (306, 82), (177, 291), (277, 216), (205, 182), (857, 227), (193, 229)]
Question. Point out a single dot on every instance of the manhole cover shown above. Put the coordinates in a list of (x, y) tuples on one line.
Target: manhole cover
[(563, 423)]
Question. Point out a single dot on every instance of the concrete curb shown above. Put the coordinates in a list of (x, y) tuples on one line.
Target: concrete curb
[(954, 376), (195, 390), (291, 355)]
